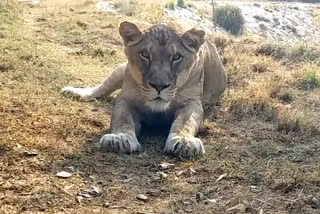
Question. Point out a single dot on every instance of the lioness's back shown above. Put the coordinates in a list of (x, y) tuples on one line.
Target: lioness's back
[(215, 78)]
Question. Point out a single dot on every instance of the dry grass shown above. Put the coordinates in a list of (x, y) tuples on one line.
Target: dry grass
[(264, 135), (148, 11)]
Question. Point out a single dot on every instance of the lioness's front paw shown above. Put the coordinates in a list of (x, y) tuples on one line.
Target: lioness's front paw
[(120, 143), (185, 147), (83, 93)]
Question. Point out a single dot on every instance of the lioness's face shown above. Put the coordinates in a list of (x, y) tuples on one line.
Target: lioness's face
[(160, 60)]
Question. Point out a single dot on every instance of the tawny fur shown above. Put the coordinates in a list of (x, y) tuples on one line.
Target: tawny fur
[(200, 81)]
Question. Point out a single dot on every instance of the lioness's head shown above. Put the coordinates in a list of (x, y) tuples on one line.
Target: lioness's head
[(160, 60)]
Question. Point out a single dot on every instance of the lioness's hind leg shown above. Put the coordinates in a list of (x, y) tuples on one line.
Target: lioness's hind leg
[(112, 83)]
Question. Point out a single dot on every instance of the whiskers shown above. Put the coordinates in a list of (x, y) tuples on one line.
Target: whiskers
[(168, 94), (148, 93), (157, 102)]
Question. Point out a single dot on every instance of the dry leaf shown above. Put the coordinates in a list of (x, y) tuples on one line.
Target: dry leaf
[(192, 170), (142, 197), (79, 199), (237, 207), (96, 190), (86, 195), (180, 172), (187, 164), (212, 201), (33, 152), (64, 174), (220, 177), (255, 189), (163, 175), (128, 180), (166, 165)]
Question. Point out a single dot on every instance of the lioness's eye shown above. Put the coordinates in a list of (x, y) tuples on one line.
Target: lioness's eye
[(176, 58), (144, 55)]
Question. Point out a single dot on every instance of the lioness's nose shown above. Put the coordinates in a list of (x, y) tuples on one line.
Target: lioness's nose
[(158, 87)]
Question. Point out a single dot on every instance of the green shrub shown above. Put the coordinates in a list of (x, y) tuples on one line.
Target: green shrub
[(170, 5), (230, 18), (181, 3), (127, 7)]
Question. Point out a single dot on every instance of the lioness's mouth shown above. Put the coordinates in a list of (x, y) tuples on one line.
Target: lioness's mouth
[(158, 98)]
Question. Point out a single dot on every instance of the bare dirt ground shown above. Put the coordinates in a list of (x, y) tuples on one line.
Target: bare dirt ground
[(262, 141)]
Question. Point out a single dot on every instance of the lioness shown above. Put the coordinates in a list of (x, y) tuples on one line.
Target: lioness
[(168, 77)]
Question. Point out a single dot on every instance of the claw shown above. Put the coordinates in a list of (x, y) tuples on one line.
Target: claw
[(120, 143), (185, 147)]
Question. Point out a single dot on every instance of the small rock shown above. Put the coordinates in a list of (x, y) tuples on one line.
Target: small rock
[(142, 197), (106, 205), (64, 174)]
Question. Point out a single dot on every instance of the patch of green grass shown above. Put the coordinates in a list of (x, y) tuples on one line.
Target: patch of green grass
[(310, 80)]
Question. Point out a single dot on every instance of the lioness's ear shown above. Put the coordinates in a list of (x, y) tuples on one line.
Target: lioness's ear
[(193, 39), (130, 33)]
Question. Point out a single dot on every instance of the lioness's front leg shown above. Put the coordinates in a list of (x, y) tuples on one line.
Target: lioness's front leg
[(123, 131), (110, 84), (181, 141)]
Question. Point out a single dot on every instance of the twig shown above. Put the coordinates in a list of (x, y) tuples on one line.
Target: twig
[(263, 201), (61, 188)]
